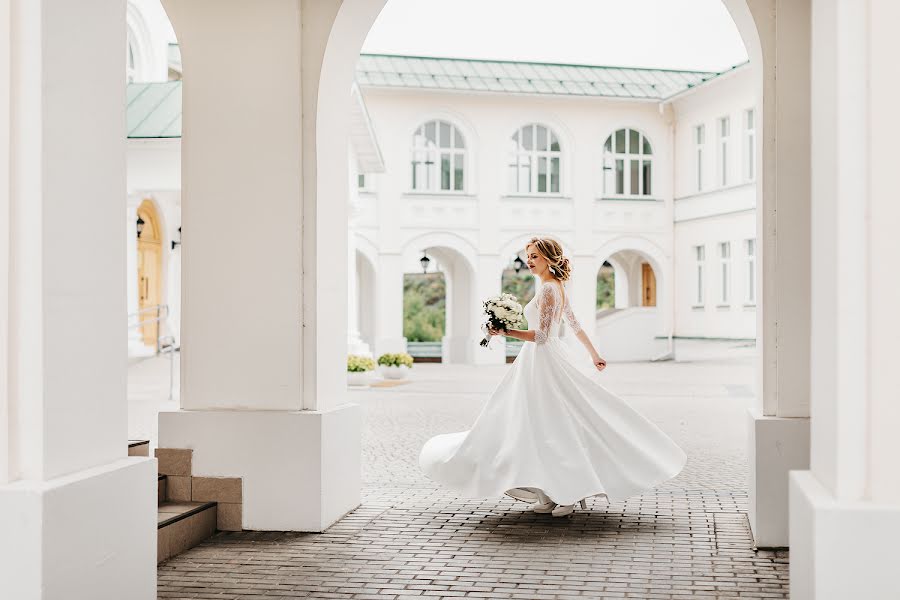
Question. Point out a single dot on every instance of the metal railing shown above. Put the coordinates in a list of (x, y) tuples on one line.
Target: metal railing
[(165, 344)]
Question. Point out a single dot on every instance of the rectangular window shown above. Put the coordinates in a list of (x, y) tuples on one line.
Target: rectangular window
[(635, 176), (749, 144), (361, 181), (725, 268), (646, 178), (750, 247), (620, 176), (699, 260), (458, 179), (554, 175), (445, 171), (724, 138), (699, 141)]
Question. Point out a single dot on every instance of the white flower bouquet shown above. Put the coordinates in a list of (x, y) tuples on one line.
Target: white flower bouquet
[(503, 312)]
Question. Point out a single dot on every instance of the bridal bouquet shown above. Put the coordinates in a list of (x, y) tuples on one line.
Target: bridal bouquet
[(503, 312)]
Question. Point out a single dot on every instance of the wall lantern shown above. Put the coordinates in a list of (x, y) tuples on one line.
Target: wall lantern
[(518, 264), (177, 240), (424, 261), (140, 226)]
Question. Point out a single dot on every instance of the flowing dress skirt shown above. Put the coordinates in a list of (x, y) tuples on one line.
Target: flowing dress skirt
[(550, 426)]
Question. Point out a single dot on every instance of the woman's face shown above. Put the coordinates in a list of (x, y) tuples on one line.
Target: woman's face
[(537, 264)]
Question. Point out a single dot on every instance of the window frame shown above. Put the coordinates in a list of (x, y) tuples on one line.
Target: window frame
[(725, 273), (699, 136), (699, 252), (723, 129), (534, 155), (612, 157), (435, 153), (750, 251), (749, 128)]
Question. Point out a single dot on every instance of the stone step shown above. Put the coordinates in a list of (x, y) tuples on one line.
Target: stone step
[(161, 489), (138, 447), (183, 525)]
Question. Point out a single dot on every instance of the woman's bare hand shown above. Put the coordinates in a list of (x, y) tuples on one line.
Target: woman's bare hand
[(494, 331), (599, 363)]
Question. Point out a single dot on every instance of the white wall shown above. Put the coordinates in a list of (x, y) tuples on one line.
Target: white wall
[(716, 212)]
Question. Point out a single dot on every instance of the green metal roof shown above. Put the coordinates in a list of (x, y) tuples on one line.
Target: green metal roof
[(383, 70), (154, 109)]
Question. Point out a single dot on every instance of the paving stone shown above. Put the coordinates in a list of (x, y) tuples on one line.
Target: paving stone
[(410, 538)]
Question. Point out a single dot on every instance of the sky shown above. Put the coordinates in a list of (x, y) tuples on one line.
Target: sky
[(667, 34)]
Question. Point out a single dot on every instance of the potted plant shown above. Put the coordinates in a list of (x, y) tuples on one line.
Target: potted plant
[(359, 369), (395, 366)]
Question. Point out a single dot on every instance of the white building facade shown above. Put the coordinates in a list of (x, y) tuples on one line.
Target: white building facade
[(822, 443), (447, 163)]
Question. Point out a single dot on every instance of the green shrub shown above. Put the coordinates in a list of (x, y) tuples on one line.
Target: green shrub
[(359, 364), (395, 360)]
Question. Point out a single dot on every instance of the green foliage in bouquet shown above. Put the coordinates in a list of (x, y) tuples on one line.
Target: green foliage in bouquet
[(395, 360), (359, 364)]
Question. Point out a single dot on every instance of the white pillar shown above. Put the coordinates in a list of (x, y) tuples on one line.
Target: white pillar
[(65, 469), (264, 310), (779, 423), (355, 344), (487, 284), (845, 510), (459, 342), (583, 290), (389, 304)]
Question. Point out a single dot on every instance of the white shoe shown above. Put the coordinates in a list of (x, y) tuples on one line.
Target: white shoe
[(563, 510), (543, 507)]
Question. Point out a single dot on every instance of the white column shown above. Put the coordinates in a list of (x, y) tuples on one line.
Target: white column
[(63, 282), (845, 510), (779, 422), (264, 310), (389, 304), (355, 344), (583, 290), (487, 284)]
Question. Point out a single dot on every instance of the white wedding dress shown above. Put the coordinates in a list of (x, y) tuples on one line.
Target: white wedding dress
[(550, 427)]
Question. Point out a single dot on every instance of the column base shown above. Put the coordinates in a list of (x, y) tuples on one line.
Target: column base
[(91, 534), (301, 469), (841, 549), (777, 446), (494, 354), (458, 349), (390, 345)]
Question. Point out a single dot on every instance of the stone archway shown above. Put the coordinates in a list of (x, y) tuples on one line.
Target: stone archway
[(783, 392)]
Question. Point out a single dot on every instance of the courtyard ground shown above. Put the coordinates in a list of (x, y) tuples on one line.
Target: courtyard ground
[(688, 538)]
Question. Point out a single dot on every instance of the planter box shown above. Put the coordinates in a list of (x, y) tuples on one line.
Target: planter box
[(359, 378), (394, 372)]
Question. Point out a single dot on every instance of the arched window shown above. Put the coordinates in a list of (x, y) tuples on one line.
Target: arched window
[(131, 57), (534, 161), (627, 164), (438, 158)]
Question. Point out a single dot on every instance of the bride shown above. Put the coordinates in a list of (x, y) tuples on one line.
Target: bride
[(550, 434)]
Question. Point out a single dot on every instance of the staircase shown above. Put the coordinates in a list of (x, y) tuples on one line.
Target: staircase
[(189, 509)]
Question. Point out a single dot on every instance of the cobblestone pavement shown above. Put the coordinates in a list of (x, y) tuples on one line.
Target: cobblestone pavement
[(688, 538)]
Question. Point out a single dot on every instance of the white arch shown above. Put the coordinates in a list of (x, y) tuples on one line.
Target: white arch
[(442, 239), (654, 253), (517, 243), (633, 128)]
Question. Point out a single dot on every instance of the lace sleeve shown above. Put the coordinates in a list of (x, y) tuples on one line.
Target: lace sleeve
[(546, 309), (570, 318)]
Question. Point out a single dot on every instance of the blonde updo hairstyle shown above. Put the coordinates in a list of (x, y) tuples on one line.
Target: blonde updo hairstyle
[(551, 251)]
